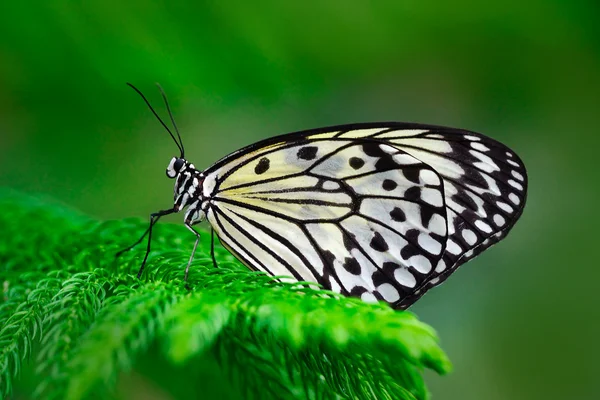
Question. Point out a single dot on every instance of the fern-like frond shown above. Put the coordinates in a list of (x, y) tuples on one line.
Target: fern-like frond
[(79, 320), (22, 324), (67, 316), (121, 331)]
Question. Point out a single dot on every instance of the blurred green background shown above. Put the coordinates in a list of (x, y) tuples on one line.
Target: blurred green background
[(521, 321)]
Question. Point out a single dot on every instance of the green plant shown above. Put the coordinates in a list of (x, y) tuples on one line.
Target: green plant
[(77, 323)]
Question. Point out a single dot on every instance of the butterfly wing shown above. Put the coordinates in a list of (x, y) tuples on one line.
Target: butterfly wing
[(485, 186), (379, 211)]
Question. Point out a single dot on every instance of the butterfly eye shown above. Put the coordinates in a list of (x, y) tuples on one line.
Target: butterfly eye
[(178, 164)]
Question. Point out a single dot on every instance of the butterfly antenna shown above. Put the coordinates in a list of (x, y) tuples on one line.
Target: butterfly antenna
[(164, 96), (179, 146)]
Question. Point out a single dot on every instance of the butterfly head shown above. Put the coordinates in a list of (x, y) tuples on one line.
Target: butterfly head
[(176, 166)]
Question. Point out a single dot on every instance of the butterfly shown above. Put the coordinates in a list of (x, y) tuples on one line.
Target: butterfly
[(380, 211)]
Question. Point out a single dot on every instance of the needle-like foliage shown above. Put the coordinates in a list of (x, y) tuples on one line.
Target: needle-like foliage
[(77, 323)]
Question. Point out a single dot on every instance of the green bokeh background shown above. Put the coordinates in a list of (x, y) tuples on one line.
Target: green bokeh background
[(519, 322)]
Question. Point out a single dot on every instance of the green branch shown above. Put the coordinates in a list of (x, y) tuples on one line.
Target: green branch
[(80, 322)]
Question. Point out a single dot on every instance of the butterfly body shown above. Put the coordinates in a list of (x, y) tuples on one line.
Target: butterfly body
[(381, 211)]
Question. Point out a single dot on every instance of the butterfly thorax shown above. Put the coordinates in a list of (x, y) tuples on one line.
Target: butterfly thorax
[(187, 190)]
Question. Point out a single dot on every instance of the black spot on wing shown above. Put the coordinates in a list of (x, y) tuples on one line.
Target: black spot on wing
[(351, 265), (262, 166), (378, 243), (308, 152), (398, 215), (413, 194), (389, 184), (356, 162)]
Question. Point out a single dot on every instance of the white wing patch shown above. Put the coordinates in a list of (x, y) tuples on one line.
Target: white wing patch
[(379, 212)]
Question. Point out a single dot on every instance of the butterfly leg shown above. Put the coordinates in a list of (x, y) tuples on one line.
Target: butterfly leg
[(212, 247), (187, 269), (154, 217)]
